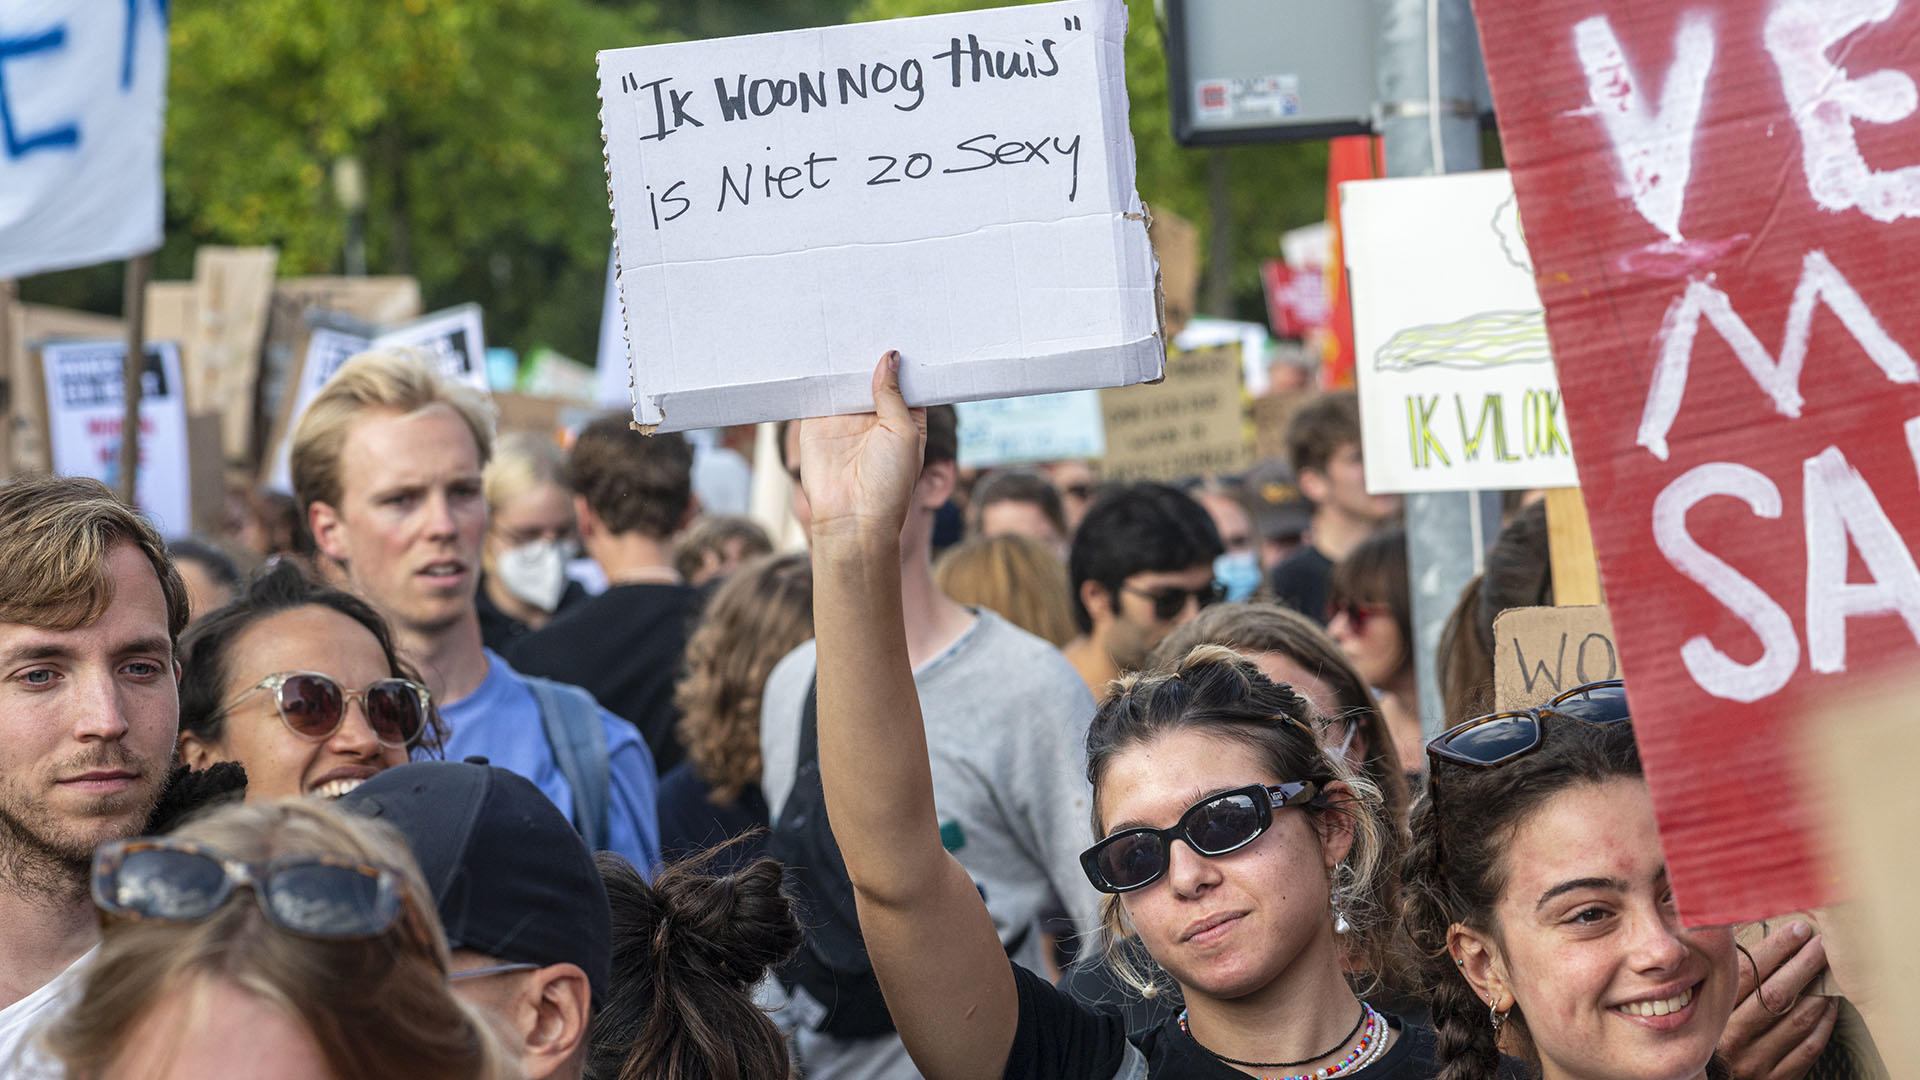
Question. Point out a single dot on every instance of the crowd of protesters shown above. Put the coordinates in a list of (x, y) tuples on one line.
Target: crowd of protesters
[(481, 757)]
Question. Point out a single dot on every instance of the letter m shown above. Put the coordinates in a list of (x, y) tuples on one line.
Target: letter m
[(1820, 281)]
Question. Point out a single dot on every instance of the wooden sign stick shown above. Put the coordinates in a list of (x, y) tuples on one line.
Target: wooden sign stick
[(1576, 572)]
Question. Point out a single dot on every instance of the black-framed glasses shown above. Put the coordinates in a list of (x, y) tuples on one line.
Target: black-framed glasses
[(313, 706), (1169, 601), (1135, 858), (1498, 738), (318, 896)]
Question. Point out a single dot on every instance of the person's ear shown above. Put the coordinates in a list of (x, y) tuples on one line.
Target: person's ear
[(329, 531), (1335, 822), (1477, 957), (1313, 484), (586, 522), (196, 753), (1097, 600), (557, 1006), (936, 485)]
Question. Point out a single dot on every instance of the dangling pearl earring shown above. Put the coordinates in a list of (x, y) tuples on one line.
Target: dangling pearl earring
[(1340, 923)]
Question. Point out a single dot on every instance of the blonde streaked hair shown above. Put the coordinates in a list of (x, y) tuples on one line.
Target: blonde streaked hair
[(377, 1007), (397, 380), (1017, 577), (521, 462), (55, 535)]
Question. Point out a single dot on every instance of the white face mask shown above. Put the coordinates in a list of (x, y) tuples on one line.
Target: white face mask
[(535, 573)]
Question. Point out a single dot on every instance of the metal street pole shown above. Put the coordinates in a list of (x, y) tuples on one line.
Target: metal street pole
[(1428, 121)]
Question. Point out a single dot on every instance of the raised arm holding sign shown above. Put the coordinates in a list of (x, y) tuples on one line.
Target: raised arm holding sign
[(788, 206)]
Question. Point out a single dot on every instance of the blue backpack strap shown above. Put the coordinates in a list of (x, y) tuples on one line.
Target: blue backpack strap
[(571, 718)]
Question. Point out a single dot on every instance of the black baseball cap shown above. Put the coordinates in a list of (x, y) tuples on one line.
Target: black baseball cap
[(510, 876)]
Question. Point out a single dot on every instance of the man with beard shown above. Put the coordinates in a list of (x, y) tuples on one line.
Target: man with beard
[(1142, 564), (90, 611)]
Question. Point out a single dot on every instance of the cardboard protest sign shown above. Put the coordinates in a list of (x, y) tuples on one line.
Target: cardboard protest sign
[(1193, 424), (1457, 387), (86, 405), (1540, 652), (233, 288), (83, 97), (1723, 220), (32, 326), (790, 206), (1176, 245), (373, 300), (1023, 430)]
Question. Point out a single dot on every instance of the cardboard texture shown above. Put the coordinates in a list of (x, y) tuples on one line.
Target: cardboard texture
[(1271, 415), (173, 314), (1192, 424), (83, 111), (790, 206), (1457, 388), (207, 479), (1023, 430), (546, 416), (372, 300), (1176, 244), (1857, 752), (1576, 572), (1539, 652), (234, 287), (1722, 218)]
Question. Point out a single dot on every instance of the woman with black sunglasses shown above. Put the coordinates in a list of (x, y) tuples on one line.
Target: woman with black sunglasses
[(281, 940), (1234, 846), (1537, 893), (302, 685)]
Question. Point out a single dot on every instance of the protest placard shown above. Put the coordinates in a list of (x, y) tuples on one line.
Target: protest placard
[(1192, 424), (233, 288), (82, 98), (86, 402), (33, 326), (1457, 387), (373, 300), (1539, 652), (1722, 219), (1176, 245), (790, 206), (1023, 430)]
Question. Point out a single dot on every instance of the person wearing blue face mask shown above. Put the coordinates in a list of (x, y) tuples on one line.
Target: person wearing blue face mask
[(1237, 569)]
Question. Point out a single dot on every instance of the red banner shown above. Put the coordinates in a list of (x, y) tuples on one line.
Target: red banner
[(1296, 298), (1722, 199)]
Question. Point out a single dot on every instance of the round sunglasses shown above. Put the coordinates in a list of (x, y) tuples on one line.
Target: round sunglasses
[(313, 706), (179, 881), (1498, 738), (1135, 858)]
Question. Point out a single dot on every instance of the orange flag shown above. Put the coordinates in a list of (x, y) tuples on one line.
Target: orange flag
[(1350, 157)]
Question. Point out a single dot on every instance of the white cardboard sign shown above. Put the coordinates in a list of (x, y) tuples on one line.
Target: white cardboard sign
[(1024, 430), (1457, 385), (86, 409), (83, 87), (787, 207)]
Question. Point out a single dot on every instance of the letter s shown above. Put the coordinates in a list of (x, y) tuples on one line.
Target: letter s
[(1716, 672)]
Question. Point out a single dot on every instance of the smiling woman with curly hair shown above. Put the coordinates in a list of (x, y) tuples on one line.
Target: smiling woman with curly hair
[(763, 612)]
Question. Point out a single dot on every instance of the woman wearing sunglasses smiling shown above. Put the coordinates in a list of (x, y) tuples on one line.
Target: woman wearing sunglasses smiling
[(302, 686), (1537, 892), (281, 940), (1231, 843)]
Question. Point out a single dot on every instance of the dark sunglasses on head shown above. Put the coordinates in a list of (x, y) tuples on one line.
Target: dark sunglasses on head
[(313, 706), (180, 881), (1357, 614), (1500, 737), (1135, 858), (1170, 601)]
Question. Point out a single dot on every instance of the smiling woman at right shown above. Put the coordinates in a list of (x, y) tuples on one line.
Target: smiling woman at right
[(1537, 892)]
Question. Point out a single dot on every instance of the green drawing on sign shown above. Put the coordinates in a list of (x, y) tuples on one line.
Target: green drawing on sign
[(1489, 339)]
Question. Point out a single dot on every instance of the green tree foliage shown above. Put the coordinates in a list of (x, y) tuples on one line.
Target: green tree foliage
[(475, 122), (1269, 188)]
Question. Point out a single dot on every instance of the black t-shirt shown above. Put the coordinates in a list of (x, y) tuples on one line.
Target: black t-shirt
[(499, 629), (627, 647), (1060, 1039), (690, 821), (1300, 582)]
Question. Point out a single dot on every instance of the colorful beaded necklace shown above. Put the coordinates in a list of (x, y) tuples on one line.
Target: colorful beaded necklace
[(1372, 1033)]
